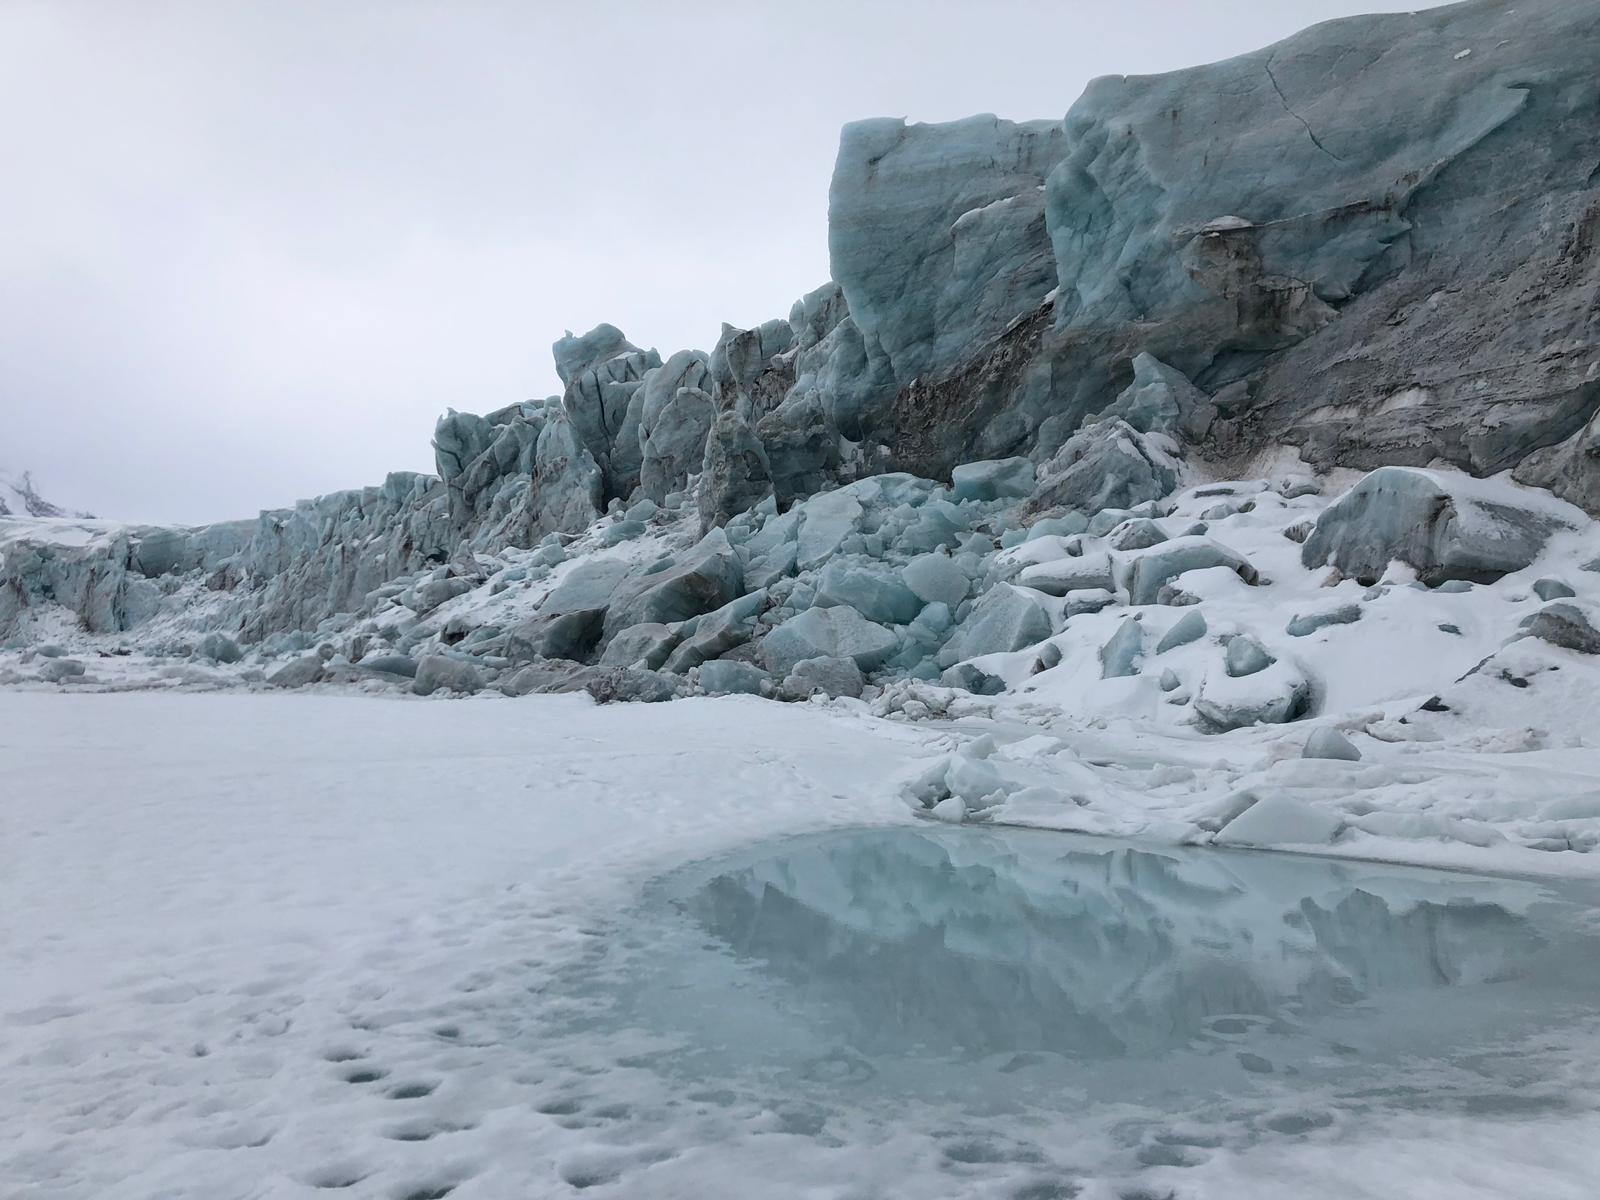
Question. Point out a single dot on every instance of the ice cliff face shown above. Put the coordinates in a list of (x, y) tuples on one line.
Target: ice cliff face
[(990, 449), (1375, 241)]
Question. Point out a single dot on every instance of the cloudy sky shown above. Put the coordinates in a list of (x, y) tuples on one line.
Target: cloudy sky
[(250, 251)]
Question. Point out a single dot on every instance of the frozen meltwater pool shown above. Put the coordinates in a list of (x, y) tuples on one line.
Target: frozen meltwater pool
[(988, 972)]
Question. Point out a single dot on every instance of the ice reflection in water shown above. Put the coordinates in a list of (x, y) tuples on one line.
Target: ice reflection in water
[(888, 957)]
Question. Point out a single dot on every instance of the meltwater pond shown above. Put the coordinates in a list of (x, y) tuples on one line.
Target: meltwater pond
[(995, 971)]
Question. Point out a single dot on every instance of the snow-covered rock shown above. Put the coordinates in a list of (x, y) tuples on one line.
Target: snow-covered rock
[(1447, 527), (1270, 695), (1150, 570), (1091, 571), (1563, 623)]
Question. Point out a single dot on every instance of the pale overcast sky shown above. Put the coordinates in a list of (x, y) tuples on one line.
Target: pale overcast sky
[(250, 251)]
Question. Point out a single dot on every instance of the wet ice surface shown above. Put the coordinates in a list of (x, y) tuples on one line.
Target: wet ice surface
[(1167, 1004)]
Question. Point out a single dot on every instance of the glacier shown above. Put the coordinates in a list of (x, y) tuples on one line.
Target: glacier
[(1209, 478), (20, 497), (1201, 345)]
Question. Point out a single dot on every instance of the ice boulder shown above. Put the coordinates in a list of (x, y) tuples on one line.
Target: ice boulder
[(969, 678), (976, 779), (939, 524), (1090, 571), (606, 685), (572, 618), (967, 777), (569, 635), (827, 519), (623, 531), (1190, 627), (1109, 464), (869, 587), (546, 676), (1004, 619), (1136, 533), (435, 592), (59, 670), (828, 676), (1328, 742), (936, 579), (1446, 526), (1065, 525), (729, 677), (714, 634), (922, 640), (624, 685), (1566, 624), (401, 666), (1303, 624), (827, 633), (218, 647), (307, 669), (1080, 602), (996, 479), (1150, 569), (702, 579), (1274, 695), (436, 673), (649, 642), (1245, 656), (1120, 656), (1280, 820), (1552, 589)]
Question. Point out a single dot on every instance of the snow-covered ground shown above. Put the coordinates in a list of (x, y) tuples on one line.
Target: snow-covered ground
[(271, 945), (215, 909)]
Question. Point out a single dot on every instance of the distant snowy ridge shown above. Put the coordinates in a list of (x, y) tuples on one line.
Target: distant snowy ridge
[(19, 497)]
